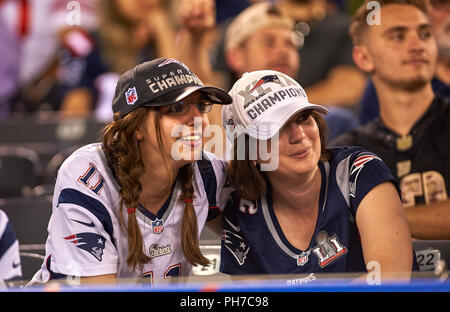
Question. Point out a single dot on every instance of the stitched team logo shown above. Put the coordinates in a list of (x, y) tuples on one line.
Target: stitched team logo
[(250, 98), (131, 96), (356, 168), (90, 242), (328, 249), (158, 226), (265, 79), (235, 243), (171, 60), (157, 251)]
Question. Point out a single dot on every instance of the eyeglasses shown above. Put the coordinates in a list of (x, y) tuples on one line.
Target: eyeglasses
[(181, 107)]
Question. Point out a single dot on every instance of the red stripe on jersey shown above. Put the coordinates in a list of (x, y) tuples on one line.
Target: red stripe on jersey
[(24, 19), (72, 237), (363, 159)]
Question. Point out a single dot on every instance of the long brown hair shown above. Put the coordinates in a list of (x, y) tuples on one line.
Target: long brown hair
[(253, 186), (122, 150)]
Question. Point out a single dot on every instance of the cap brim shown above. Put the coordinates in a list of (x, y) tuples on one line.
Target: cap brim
[(266, 128), (216, 95)]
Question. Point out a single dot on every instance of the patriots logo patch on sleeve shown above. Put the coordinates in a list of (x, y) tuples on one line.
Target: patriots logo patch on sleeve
[(235, 243), (356, 168), (90, 242)]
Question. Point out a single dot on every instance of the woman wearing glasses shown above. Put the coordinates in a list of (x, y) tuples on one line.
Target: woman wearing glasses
[(126, 208)]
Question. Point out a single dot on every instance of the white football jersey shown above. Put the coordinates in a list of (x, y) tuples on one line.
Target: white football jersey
[(10, 267), (85, 237)]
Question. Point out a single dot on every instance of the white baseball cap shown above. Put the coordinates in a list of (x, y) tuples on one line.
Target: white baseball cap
[(263, 101), (255, 17)]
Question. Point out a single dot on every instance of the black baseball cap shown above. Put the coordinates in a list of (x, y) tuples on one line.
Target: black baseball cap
[(160, 82)]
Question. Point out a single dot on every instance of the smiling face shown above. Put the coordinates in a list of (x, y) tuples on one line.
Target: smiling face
[(401, 50), (299, 146), (181, 128)]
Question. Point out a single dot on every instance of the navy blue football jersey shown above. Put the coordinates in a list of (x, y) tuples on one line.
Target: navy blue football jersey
[(419, 160), (253, 241)]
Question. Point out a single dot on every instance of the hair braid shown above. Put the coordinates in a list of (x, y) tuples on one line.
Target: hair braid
[(122, 151), (189, 228)]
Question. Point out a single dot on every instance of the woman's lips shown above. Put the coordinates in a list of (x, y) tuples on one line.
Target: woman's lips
[(191, 140), (302, 153)]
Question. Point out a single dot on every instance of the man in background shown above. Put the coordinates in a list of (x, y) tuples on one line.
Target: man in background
[(411, 134), (439, 15), (263, 37), (327, 71)]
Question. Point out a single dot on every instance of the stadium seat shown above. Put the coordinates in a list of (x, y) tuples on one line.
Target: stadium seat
[(31, 262), (208, 237), (50, 171), (20, 170), (51, 129), (29, 216), (429, 252), (49, 133)]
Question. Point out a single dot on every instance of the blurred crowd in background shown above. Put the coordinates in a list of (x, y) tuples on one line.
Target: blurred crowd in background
[(66, 56)]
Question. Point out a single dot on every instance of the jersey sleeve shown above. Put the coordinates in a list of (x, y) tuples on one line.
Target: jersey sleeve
[(236, 255), (81, 239), (10, 266), (366, 171), (216, 186)]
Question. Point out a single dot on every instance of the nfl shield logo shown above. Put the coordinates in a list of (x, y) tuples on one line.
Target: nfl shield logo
[(158, 226), (303, 258), (131, 96)]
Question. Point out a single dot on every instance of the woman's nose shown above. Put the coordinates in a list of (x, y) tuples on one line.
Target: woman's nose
[(194, 117), (296, 132)]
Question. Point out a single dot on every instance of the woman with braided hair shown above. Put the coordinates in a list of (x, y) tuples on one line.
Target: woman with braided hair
[(134, 205)]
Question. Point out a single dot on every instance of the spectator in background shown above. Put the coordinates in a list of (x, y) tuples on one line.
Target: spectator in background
[(196, 36), (327, 71), (226, 9), (34, 25), (411, 134), (262, 37), (129, 32), (9, 69), (124, 38), (439, 16)]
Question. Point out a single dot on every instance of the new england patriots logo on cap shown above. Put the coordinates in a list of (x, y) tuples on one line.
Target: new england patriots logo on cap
[(265, 79), (235, 243), (131, 96), (171, 60), (91, 242)]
